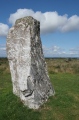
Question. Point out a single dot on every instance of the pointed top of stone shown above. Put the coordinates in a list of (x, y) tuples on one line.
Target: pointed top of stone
[(27, 19)]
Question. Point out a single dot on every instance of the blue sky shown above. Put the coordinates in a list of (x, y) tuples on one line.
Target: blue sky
[(59, 22)]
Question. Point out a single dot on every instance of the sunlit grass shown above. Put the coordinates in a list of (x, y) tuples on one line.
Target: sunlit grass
[(63, 106)]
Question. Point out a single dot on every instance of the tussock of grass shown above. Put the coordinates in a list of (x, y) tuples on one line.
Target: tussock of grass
[(63, 65), (63, 106)]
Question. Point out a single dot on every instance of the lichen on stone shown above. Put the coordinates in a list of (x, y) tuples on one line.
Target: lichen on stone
[(27, 64)]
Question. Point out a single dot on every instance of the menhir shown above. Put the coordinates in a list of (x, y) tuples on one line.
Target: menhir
[(27, 64)]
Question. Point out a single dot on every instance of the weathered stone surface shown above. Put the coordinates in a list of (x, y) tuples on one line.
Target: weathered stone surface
[(27, 64)]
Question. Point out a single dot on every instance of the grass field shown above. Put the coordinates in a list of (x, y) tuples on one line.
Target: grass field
[(63, 106)]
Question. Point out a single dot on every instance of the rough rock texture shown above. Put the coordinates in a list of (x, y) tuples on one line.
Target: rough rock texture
[(27, 64)]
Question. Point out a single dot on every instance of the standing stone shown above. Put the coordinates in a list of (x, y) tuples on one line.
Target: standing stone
[(27, 64)]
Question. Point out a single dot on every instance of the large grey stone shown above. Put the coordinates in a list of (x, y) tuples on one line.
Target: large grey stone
[(27, 64)]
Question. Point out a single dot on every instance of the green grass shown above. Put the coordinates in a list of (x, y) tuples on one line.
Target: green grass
[(63, 106)]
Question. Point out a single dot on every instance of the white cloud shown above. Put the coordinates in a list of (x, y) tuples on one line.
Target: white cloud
[(74, 51), (2, 51), (3, 48), (20, 13), (3, 29), (56, 51), (71, 24), (49, 21), (53, 51)]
